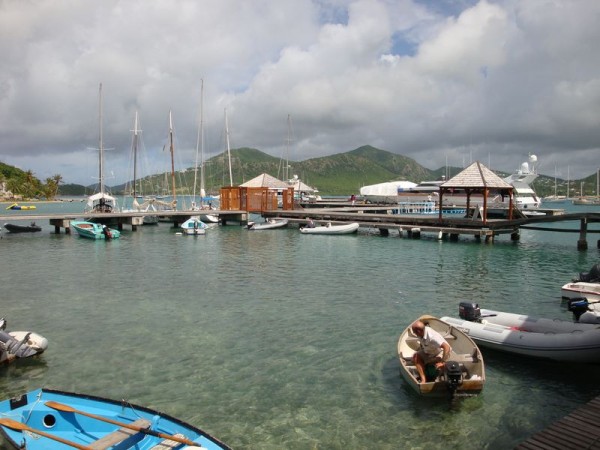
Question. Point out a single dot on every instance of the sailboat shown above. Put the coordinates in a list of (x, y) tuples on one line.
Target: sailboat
[(212, 218), (589, 200), (101, 202), (170, 206), (554, 198), (148, 204)]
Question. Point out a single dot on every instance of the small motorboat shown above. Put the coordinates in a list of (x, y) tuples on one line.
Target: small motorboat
[(194, 227), (464, 372), (19, 344), (92, 230), (46, 419), (268, 224), (331, 229), (17, 207), (31, 228), (559, 340), (590, 291)]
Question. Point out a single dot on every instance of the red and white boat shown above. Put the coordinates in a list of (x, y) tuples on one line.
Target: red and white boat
[(578, 289)]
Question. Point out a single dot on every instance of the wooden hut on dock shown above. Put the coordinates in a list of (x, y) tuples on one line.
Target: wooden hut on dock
[(478, 180)]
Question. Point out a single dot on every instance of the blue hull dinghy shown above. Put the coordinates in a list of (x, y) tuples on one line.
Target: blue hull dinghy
[(46, 419)]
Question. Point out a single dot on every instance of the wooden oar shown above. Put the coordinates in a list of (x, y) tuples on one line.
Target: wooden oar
[(22, 427), (67, 408)]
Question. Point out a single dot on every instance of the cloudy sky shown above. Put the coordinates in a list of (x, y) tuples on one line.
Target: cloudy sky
[(440, 81)]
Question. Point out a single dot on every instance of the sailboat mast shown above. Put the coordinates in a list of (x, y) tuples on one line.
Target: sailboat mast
[(134, 147), (568, 179), (228, 149), (200, 147), (100, 147), (202, 188), (287, 151), (172, 155)]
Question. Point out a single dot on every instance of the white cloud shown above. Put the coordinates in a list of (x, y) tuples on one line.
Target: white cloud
[(486, 80)]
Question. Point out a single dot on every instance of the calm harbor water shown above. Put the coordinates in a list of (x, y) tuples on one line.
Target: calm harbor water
[(277, 340)]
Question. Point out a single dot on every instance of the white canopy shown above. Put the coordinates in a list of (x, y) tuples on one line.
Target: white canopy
[(387, 189), (97, 197)]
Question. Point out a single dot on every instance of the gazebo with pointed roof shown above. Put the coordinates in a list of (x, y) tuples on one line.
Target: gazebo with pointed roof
[(478, 179), (265, 180)]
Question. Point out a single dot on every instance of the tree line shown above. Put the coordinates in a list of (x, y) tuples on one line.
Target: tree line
[(25, 184)]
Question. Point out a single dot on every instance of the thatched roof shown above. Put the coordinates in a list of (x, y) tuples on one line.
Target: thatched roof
[(476, 176)]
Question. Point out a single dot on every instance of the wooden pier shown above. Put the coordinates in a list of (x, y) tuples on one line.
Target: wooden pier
[(380, 217), (119, 219), (449, 226), (580, 429)]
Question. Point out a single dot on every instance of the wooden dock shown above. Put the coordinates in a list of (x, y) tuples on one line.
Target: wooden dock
[(380, 217), (119, 219), (450, 226), (578, 430)]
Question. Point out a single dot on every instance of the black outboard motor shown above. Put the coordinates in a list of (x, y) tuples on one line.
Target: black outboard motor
[(469, 311), (578, 306), (453, 375), (593, 276)]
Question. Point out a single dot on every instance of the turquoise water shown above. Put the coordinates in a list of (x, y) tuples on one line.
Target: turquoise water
[(277, 340)]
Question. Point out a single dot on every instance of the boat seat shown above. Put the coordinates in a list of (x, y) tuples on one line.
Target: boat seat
[(169, 444), (449, 337), (462, 357), (118, 436)]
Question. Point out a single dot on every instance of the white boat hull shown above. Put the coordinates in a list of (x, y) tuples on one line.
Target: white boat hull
[(559, 340), (591, 291), (193, 227), (332, 229), (464, 351), (269, 225)]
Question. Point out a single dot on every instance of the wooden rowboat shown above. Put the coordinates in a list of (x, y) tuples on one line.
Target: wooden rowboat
[(46, 419), (464, 372)]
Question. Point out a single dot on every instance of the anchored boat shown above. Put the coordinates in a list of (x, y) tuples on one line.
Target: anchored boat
[(559, 340), (92, 230), (19, 344), (46, 419), (331, 229), (269, 224), (31, 228), (464, 372)]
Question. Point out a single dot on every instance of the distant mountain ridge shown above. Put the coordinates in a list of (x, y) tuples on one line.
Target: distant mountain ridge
[(339, 174)]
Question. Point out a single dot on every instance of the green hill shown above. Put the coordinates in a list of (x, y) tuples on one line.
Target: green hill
[(339, 174)]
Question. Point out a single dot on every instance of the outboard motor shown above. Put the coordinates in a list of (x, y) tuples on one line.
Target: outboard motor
[(453, 375), (593, 276), (469, 311), (578, 306)]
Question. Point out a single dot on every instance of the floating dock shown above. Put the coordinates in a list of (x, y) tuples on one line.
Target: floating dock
[(580, 429)]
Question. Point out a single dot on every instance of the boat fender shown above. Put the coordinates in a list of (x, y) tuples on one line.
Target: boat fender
[(589, 317), (469, 311), (453, 375)]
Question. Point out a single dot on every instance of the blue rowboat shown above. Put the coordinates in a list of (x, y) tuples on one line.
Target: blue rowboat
[(46, 419), (93, 230)]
